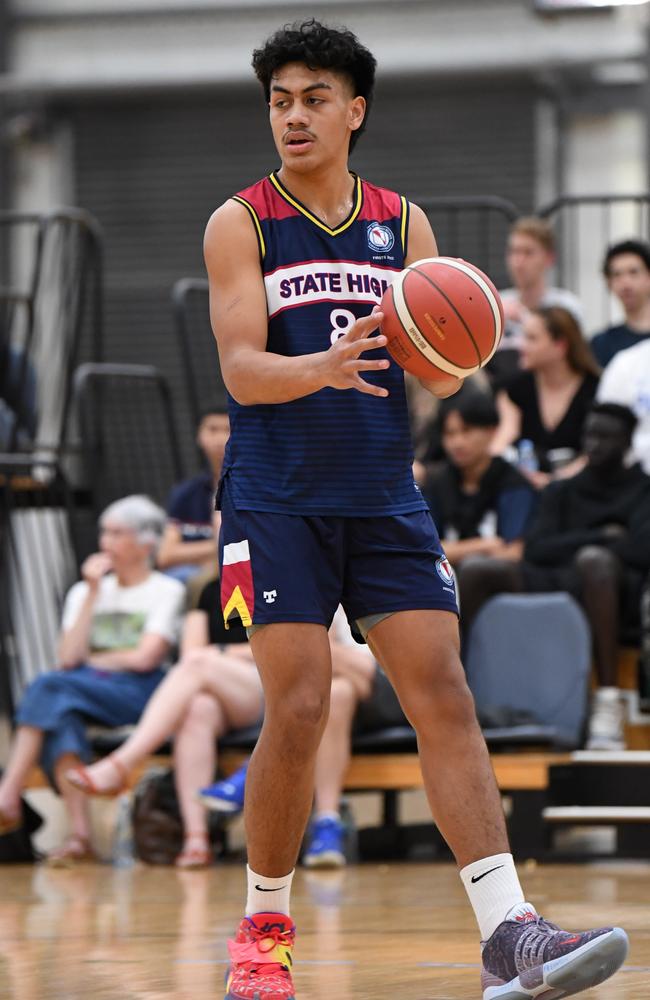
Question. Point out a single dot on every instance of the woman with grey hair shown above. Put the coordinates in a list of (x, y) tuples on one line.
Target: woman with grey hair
[(120, 624)]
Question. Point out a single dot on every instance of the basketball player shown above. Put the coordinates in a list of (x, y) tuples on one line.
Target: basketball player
[(319, 507)]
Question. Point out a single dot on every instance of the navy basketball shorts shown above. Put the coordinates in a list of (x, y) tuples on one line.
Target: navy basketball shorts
[(294, 568)]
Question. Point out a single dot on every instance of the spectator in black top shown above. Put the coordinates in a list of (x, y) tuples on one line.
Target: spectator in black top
[(548, 401), (627, 272), (189, 543), (481, 504), (590, 537)]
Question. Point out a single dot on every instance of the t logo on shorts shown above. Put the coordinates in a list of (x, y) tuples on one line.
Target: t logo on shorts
[(270, 596)]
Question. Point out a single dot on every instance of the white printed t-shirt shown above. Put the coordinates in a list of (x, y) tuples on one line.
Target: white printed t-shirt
[(122, 615)]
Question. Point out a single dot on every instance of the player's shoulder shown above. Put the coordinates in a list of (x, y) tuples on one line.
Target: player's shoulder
[(381, 202), (229, 226)]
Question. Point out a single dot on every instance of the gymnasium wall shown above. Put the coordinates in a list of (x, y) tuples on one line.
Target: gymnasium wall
[(153, 171)]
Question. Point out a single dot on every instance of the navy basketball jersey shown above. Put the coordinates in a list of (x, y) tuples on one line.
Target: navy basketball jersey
[(334, 452)]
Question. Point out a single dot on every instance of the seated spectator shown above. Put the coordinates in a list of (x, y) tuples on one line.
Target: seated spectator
[(189, 544), (626, 380), (530, 255), (120, 625), (361, 700), (627, 272), (424, 410), (214, 687), (480, 503), (590, 537), (211, 691), (547, 403)]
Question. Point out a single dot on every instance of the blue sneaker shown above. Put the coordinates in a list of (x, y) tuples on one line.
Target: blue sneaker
[(226, 796), (326, 843)]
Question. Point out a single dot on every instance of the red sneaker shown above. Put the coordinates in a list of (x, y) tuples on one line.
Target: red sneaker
[(261, 960)]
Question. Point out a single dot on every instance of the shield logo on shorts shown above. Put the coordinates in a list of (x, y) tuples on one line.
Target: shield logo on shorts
[(444, 571)]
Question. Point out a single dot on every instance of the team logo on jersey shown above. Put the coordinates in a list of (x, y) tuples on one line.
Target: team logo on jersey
[(444, 571), (380, 238)]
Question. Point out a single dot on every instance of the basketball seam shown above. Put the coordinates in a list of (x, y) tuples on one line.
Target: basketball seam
[(450, 303), (396, 313), (444, 364), (486, 287), (435, 346)]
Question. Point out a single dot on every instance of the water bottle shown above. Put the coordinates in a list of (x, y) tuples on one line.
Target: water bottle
[(527, 456), (122, 856)]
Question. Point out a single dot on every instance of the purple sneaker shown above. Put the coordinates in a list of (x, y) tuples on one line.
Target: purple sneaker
[(527, 957)]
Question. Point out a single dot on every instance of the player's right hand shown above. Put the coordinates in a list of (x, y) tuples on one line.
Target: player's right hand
[(343, 364)]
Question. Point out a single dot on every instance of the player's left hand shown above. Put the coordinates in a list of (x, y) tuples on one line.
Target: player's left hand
[(442, 388)]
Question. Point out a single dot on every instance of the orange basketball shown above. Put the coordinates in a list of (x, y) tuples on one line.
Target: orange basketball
[(442, 317)]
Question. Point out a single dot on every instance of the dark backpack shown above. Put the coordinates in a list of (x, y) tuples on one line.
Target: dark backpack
[(156, 820)]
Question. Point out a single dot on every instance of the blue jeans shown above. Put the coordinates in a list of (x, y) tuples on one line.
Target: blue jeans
[(64, 702)]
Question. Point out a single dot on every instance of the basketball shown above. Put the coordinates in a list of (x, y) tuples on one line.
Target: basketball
[(442, 317)]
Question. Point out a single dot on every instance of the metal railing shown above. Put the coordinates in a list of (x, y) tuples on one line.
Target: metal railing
[(585, 226), (38, 563), (51, 319)]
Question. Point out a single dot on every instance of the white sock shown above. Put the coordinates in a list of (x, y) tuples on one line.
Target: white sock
[(606, 694), (268, 895), (492, 885)]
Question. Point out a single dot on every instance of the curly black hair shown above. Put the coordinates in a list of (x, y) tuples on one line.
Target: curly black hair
[(319, 47)]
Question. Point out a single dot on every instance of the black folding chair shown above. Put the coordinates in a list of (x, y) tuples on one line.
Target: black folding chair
[(198, 349), (128, 435)]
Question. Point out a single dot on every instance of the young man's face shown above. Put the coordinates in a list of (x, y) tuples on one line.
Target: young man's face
[(527, 260), (212, 437), (629, 280), (312, 112), (605, 441), (464, 444)]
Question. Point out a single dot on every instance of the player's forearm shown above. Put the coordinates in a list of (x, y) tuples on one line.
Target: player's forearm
[(257, 377)]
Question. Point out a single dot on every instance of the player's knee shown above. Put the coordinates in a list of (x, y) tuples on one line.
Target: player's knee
[(441, 697), (594, 562), (300, 712)]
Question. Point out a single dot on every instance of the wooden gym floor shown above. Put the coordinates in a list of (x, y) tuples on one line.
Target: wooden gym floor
[(373, 931)]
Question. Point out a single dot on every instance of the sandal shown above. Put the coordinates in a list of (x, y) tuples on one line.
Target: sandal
[(195, 857), (72, 851), (80, 777)]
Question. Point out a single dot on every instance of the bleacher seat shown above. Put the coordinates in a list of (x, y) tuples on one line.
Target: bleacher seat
[(532, 653)]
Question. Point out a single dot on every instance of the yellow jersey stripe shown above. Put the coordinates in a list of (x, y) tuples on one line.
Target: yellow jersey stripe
[(405, 215), (256, 221), (304, 211)]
